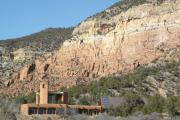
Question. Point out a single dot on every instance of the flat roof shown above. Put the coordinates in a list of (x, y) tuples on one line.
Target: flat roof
[(56, 92), (90, 107)]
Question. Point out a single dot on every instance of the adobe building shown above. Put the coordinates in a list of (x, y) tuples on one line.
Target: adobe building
[(50, 102), (50, 97)]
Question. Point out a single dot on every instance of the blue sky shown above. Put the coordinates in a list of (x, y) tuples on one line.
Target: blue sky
[(22, 17)]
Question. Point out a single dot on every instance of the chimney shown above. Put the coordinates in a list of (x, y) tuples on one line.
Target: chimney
[(37, 98), (44, 93)]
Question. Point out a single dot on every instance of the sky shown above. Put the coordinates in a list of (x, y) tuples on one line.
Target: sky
[(23, 17)]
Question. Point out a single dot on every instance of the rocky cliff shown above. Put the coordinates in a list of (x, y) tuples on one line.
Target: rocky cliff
[(104, 46), (15, 53)]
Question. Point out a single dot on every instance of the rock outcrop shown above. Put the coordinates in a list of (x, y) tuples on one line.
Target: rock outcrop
[(100, 47)]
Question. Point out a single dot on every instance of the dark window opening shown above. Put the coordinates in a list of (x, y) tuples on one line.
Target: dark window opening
[(32, 111), (51, 111), (54, 98), (42, 111), (83, 111)]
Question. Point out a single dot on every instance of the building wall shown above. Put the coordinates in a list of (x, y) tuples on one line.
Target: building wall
[(24, 109), (59, 109)]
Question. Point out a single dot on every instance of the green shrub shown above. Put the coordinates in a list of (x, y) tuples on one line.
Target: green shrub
[(124, 5), (173, 105), (84, 101), (47, 40), (155, 104), (134, 99), (26, 99)]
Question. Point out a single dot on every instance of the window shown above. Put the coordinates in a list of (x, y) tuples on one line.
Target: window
[(42, 111), (52, 99), (32, 111)]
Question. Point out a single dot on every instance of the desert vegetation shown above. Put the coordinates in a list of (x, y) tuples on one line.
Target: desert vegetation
[(8, 109), (130, 86), (139, 89), (33, 46), (46, 40), (137, 99), (124, 5)]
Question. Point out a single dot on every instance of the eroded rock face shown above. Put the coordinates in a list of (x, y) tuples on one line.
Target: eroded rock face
[(101, 47)]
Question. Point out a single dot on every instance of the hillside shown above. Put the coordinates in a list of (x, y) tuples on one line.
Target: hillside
[(123, 6), (14, 53), (150, 80), (130, 50), (45, 40), (140, 89), (138, 35)]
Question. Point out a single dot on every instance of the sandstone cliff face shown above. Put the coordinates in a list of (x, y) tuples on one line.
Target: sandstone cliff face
[(100, 47), (111, 46)]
